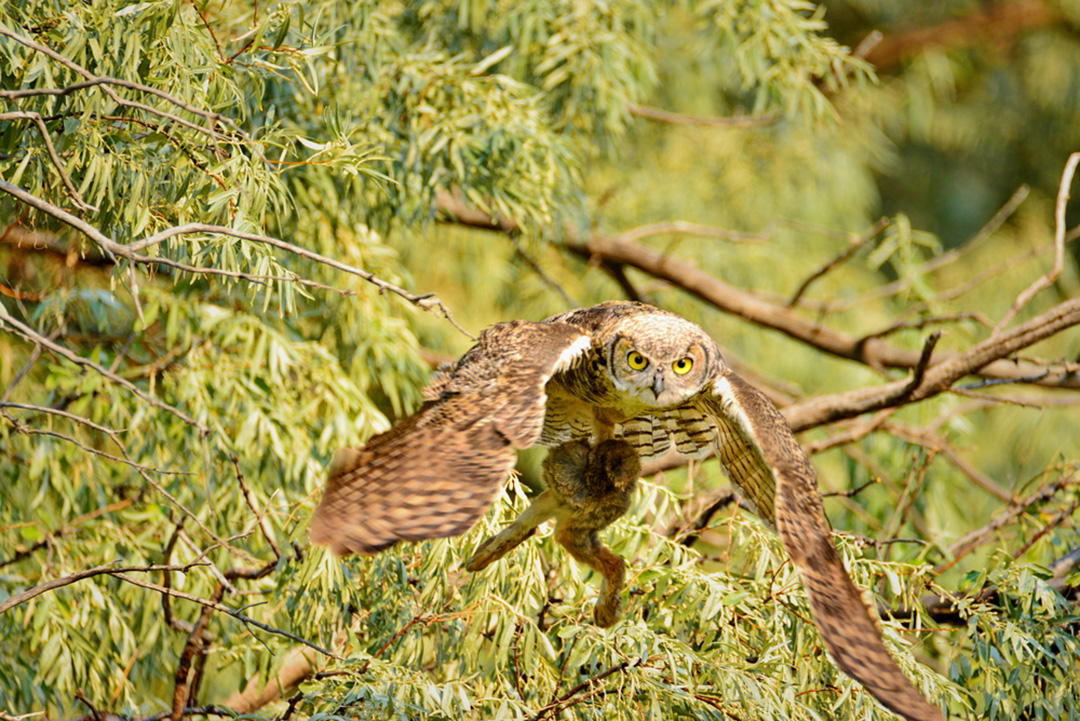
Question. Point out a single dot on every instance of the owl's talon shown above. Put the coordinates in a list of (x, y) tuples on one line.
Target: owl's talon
[(496, 547), (608, 611), (541, 509)]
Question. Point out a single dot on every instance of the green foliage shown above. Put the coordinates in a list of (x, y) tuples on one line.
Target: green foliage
[(1032, 647), (695, 644)]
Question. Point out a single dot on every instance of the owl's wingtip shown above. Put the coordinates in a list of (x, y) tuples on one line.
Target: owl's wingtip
[(343, 543)]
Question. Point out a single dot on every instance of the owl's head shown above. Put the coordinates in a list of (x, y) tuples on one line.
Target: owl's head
[(661, 360)]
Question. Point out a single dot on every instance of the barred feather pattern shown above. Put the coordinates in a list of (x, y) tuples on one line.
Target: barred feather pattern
[(434, 474), (763, 458)]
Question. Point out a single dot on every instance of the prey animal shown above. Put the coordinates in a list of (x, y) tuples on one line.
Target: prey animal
[(602, 387)]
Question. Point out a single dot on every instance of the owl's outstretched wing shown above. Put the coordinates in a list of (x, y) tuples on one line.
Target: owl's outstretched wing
[(433, 475), (764, 460)]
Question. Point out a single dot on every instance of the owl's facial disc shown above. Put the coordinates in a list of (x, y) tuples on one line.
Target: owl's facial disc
[(662, 377)]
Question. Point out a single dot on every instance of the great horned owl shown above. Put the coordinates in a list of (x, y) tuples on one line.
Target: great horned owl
[(603, 387)]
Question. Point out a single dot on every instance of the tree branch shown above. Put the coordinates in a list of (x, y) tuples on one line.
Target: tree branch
[(185, 687), (111, 248), (856, 244), (297, 666), (682, 227), (106, 83), (1059, 247), (108, 569), (76, 198), (994, 23), (665, 116), (21, 553), (224, 609), (873, 352), (34, 337), (940, 377)]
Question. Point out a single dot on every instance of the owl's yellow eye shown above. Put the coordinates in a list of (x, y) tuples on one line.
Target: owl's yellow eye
[(636, 361), (682, 366)]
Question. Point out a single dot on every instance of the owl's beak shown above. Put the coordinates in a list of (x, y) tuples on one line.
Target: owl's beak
[(658, 384)]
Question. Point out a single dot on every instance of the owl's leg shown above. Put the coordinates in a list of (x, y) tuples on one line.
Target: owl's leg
[(585, 546), (541, 509)]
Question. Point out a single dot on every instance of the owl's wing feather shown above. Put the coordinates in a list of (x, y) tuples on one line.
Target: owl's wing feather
[(434, 474), (764, 460)]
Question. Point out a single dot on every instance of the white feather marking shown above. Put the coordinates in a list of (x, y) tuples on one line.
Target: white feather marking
[(574, 351), (724, 391)]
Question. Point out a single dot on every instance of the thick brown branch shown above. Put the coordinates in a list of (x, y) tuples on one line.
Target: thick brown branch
[(185, 688), (297, 666), (996, 23), (873, 352), (940, 376)]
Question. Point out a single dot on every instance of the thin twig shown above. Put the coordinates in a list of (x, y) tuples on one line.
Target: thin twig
[(21, 428), (977, 280), (923, 322), (852, 491), (33, 336), (63, 414), (428, 302), (106, 82), (951, 256), (915, 481), (927, 439), (1059, 247), (425, 619), (21, 553), (856, 433), (977, 537), (223, 609), (109, 569), (34, 355), (924, 362), (1054, 523), (693, 529), (682, 227), (670, 118), (561, 702), (856, 243), (76, 198), (544, 277), (251, 504)]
